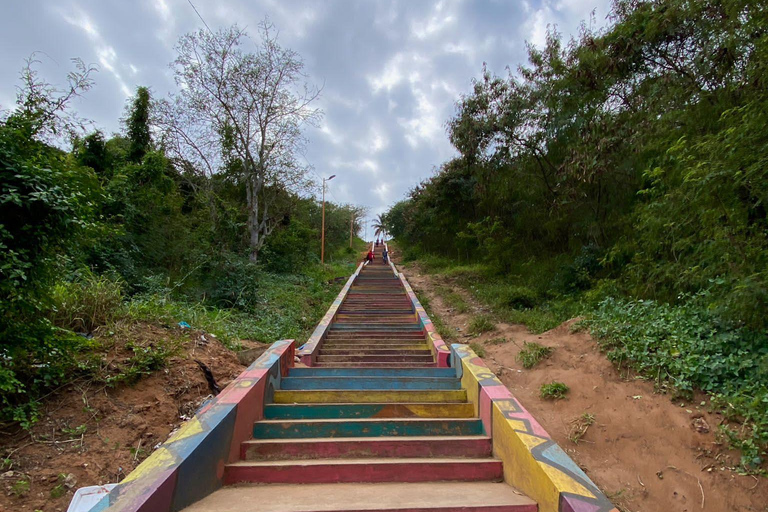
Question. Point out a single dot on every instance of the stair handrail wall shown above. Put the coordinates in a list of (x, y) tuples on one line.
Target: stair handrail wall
[(533, 462), (308, 351), (187, 466), (440, 350), (389, 260)]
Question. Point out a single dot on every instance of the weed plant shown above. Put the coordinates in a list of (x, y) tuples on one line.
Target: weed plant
[(553, 391), (477, 348), (532, 353), (481, 324)]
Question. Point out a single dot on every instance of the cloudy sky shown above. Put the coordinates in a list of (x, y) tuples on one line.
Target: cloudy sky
[(391, 71)]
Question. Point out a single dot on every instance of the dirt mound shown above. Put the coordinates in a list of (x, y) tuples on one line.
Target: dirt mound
[(645, 451), (92, 434)]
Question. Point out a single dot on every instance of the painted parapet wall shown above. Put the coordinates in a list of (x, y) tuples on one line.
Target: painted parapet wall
[(440, 350), (533, 462), (391, 265), (308, 351), (190, 464)]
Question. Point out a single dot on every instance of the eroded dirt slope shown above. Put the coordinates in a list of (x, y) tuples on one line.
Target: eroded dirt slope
[(92, 434), (647, 453)]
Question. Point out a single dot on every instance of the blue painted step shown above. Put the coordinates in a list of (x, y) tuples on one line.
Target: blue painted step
[(295, 429), (347, 382), (372, 372)]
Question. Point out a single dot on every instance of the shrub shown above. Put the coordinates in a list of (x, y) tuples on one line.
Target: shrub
[(531, 353), (553, 391), (688, 346), (86, 303)]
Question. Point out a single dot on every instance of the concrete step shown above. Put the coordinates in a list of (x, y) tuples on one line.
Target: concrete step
[(335, 345), (363, 470), (331, 350), (366, 427), (401, 410), (358, 397), (362, 497), (360, 447), (377, 365), (347, 382), (373, 372), (374, 358)]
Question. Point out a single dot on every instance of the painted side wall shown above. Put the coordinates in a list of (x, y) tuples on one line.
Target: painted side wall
[(190, 464), (533, 462)]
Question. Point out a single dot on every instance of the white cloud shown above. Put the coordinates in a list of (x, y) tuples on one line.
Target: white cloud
[(105, 53)]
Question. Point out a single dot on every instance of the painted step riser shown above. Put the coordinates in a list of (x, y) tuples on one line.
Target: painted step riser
[(303, 397), (358, 411), (374, 359), (381, 328), (377, 338), (352, 383), (367, 372), (333, 351), (467, 448), (377, 365), (479, 508), (333, 346), (342, 473), (303, 429)]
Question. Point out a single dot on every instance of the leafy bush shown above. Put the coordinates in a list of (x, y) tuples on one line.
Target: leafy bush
[(531, 353), (689, 347), (553, 391)]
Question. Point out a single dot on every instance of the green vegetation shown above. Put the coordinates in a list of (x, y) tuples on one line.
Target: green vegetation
[(553, 391), (478, 348), (453, 299), (622, 177), (98, 234), (480, 324), (532, 353), (497, 341)]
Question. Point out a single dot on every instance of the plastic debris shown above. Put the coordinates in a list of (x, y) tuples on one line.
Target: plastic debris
[(86, 498), (184, 325)]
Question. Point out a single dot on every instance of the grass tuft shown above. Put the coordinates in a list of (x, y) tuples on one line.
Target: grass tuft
[(478, 348), (553, 391), (532, 353), (481, 324)]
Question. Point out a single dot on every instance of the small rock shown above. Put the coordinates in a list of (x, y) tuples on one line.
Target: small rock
[(700, 425), (70, 481)]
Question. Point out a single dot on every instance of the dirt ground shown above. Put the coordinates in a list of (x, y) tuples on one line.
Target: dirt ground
[(93, 434), (646, 452)]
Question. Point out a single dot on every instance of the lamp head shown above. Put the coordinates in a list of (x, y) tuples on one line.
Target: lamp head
[(330, 177)]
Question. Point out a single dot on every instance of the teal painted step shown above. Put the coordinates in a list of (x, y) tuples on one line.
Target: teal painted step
[(386, 383), (372, 372), (354, 410), (296, 429)]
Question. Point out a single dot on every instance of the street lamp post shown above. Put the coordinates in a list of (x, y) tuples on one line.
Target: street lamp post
[(322, 236)]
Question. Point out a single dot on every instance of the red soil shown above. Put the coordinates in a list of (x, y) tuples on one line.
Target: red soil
[(646, 452), (98, 434)]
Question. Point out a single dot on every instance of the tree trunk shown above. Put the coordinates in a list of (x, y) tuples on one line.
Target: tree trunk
[(253, 218)]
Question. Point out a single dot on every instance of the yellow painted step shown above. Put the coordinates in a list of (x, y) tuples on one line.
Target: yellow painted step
[(368, 396)]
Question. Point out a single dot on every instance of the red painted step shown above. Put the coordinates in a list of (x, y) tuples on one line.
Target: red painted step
[(367, 447), (363, 470)]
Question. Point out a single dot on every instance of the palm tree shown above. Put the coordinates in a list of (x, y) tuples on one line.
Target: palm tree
[(379, 226)]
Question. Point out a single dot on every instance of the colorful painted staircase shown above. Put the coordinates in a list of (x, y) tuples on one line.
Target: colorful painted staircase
[(375, 326), (400, 439), (374, 426)]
